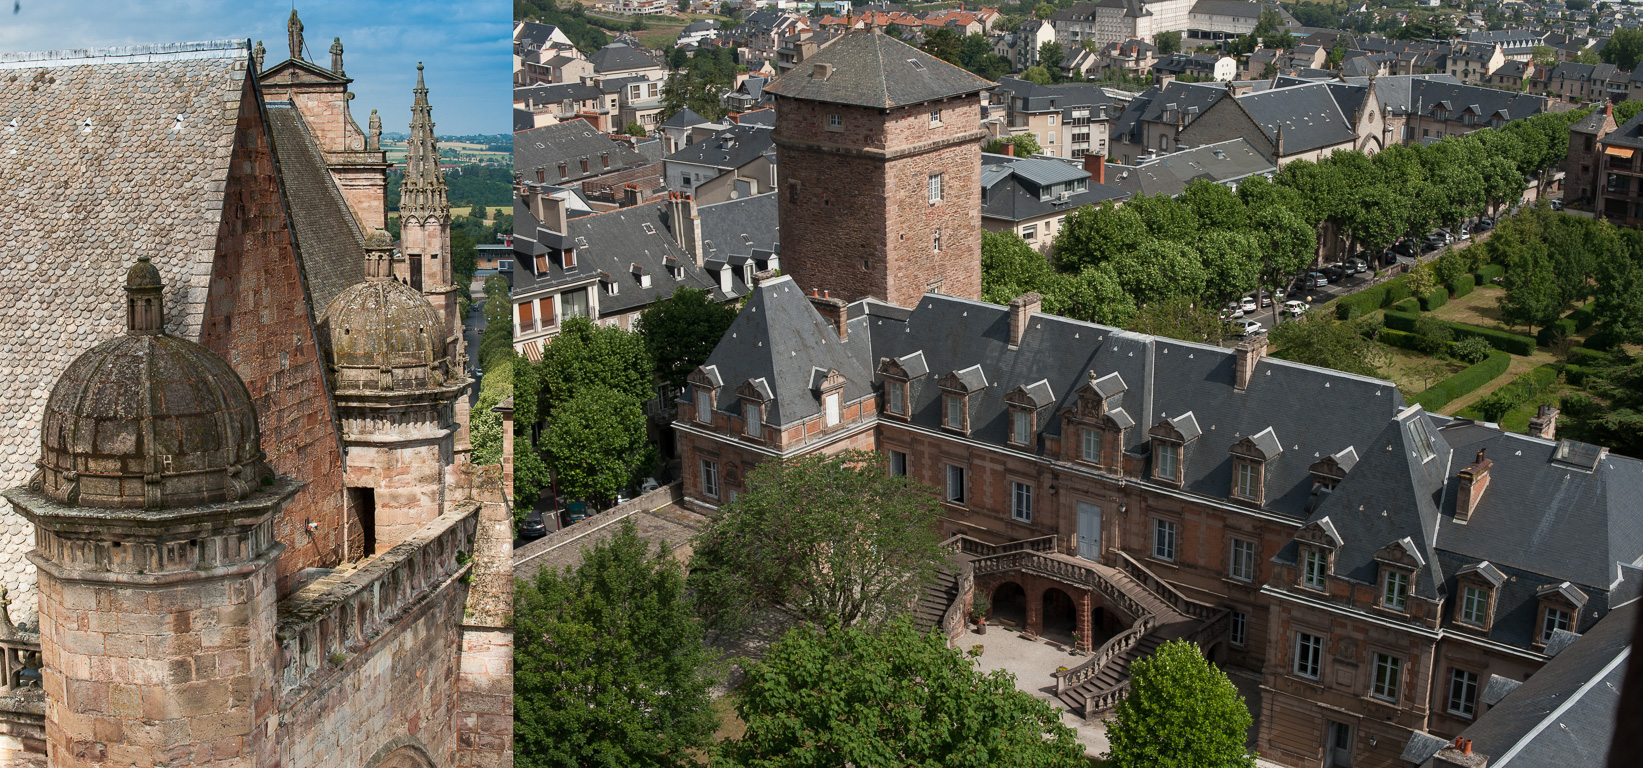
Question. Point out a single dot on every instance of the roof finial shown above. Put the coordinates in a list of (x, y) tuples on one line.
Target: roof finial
[(145, 305)]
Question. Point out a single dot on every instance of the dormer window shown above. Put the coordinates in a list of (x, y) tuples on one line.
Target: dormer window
[(752, 418), (956, 389), (1249, 460), (1560, 604), (1169, 440), (1318, 542), (896, 397), (1315, 569), (704, 405), (829, 385), (1475, 606), (704, 383), (1394, 589), (1021, 428), (898, 374), (1024, 403), (1167, 466), (754, 394), (1089, 445)]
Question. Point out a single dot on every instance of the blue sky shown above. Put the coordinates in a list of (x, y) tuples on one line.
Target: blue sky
[(466, 45)]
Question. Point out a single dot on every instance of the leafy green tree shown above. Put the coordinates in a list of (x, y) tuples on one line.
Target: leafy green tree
[(635, 129), (1093, 295), (1050, 55), (485, 429), (1543, 56), (610, 667), (1010, 267), (844, 696), (1167, 42), (1626, 110), (944, 44), (681, 331), (1160, 270), (1182, 712), (1026, 145), (1319, 339), (818, 538), (1179, 317), (1038, 75), (1532, 295), (1097, 234), (1618, 292), (595, 444), (1231, 262), (1612, 413), (1043, 10), (587, 355)]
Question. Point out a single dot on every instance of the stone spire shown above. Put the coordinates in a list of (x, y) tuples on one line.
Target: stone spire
[(293, 31), (423, 191)]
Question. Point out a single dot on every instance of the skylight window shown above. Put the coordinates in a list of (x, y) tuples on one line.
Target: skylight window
[(918, 65), (1421, 438), (1577, 454)]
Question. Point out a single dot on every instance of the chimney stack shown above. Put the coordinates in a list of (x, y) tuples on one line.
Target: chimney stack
[(1022, 309), (632, 195), (1096, 165), (1249, 352), (1009, 149), (1474, 480), (832, 310), (1544, 423), (686, 224), (1460, 755)]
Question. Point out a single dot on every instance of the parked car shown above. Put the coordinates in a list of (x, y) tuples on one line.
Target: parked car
[(1247, 304), (575, 512), (1316, 279), (649, 484), (1557, 203), (1484, 225), (1334, 273), (533, 526), (1247, 327), (1296, 308), (1358, 265)]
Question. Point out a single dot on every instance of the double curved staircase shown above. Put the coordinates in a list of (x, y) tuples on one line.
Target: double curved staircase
[(1158, 611)]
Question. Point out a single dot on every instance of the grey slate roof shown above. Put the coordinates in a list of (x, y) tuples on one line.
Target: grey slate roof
[(684, 118), (1062, 97), (1629, 134), (1170, 174), (1237, 8), (535, 34), (555, 93), (327, 237), (872, 69), (1489, 102), (617, 57), (569, 142), (736, 230), (730, 148), (1012, 188), (1308, 114), (1565, 714), (785, 340)]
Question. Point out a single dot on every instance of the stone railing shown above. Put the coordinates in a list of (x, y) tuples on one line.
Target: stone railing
[(978, 548), (1213, 629), (19, 652), (1043, 565), (952, 622), (322, 633), (671, 493), (1164, 590), (1112, 649), (1102, 701)]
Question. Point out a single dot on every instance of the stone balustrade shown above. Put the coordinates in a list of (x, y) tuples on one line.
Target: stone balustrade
[(317, 635), (1166, 591), (1112, 649), (952, 622)]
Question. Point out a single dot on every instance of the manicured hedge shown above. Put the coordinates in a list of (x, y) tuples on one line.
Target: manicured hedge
[(1408, 305), (1505, 342), (1437, 298), (1487, 273), (1396, 291), (1602, 341), (1461, 286), (1513, 394), (1470, 378), (1575, 374), (1584, 356), (1370, 299), (1574, 322), (1400, 339)]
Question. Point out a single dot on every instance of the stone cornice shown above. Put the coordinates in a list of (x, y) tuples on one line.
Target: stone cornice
[(911, 150)]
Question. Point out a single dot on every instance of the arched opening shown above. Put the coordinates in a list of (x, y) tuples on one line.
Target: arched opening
[(1010, 604), (1060, 616), (408, 756)]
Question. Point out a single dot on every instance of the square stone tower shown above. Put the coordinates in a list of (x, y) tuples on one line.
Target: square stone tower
[(878, 149)]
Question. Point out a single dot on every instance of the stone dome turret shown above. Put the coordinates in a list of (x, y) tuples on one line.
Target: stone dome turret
[(148, 420), (384, 336)]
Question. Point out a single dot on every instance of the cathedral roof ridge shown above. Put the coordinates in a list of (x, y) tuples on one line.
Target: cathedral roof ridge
[(128, 54)]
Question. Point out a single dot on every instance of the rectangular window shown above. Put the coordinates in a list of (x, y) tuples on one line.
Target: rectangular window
[(1463, 692), (1240, 628), (835, 121), (575, 303), (1312, 576), (1309, 653), (1052, 119), (898, 464), (751, 418), (1474, 605), (1556, 619), (898, 400), (1166, 461), (830, 403), (1029, 232), (955, 484), (704, 406), (1394, 589), (527, 315), (710, 478), (544, 311), (935, 188), (1021, 433), (1092, 445), (1248, 480), (1387, 671), (1021, 502), (935, 117), (1242, 566), (1163, 540), (955, 412)]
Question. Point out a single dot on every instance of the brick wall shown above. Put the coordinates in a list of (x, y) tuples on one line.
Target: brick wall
[(854, 201), (257, 317)]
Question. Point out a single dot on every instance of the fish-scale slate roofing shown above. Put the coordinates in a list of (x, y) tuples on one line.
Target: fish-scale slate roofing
[(99, 169), (872, 69)]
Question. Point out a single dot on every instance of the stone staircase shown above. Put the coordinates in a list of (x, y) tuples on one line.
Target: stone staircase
[(1159, 613), (937, 599)]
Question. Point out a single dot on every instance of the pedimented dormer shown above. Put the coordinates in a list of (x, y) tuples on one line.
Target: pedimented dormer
[(1170, 437), (898, 374), (1399, 564), (704, 384), (1559, 608), (1025, 402), (957, 388), (1250, 457), (1092, 430), (828, 384), (1328, 472), (754, 395), (1476, 587), (1318, 542)]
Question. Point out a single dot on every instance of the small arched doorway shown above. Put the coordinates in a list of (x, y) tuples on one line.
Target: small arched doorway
[(1010, 604), (1060, 616)]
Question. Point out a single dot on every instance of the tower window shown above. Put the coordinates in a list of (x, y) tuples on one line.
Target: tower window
[(835, 121), (935, 117), (935, 243), (935, 188)]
